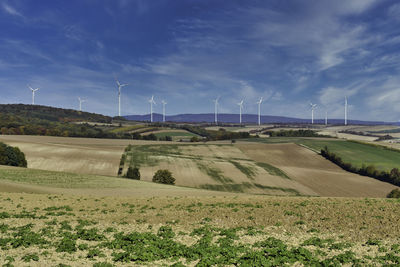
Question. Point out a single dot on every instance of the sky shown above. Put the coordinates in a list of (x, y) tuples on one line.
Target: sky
[(189, 52)]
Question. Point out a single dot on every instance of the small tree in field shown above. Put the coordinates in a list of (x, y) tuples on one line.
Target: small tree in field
[(395, 193), (133, 173), (163, 177)]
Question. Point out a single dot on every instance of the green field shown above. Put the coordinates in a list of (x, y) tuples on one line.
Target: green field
[(351, 152), (174, 134)]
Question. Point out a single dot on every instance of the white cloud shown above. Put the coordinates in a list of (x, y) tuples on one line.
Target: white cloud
[(11, 10)]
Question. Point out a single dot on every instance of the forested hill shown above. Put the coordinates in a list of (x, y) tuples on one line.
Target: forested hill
[(43, 120), (51, 113)]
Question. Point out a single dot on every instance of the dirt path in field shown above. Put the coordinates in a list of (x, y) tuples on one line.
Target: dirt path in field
[(315, 172)]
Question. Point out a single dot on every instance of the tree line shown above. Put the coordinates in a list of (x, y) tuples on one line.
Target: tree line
[(294, 133)]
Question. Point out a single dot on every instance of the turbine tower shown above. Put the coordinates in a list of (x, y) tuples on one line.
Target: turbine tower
[(119, 95), (259, 110), (345, 110), (151, 101), (80, 103), (216, 110), (326, 117), (240, 111), (33, 93), (164, 103), (313, 107)]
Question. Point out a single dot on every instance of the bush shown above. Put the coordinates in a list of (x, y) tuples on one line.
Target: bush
[(395, 193), (163, 177), (133, 173), (12, 156)]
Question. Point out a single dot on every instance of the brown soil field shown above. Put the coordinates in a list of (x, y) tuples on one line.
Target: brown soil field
[(72, 230), (316, 173)]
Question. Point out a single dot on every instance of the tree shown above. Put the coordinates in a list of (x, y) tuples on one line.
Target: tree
[(163, 177), (12, 156), (395, 193), (133, 173)]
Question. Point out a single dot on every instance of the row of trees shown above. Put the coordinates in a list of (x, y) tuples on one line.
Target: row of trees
[(12, 156), (294, 133), (392, 177)]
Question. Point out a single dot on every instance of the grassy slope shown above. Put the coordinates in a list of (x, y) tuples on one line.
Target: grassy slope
[(63, 180), (352, 152)]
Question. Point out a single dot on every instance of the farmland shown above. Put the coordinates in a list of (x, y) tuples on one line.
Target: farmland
[(76, 155), (216, 167), (352, 152), (90, 218), (40, 229), (276, 168)]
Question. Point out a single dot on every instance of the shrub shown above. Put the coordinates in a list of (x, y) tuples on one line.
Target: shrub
[(395, 193), (133, 173), (163, 177), (12, 156)]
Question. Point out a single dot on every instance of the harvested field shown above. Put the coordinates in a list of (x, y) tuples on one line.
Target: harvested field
[(49, 230), (316, 173), (78, 155), (216, 167)]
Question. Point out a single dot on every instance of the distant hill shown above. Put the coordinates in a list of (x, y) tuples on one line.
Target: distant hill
[(246, 118), (52, 113), (20, 119)]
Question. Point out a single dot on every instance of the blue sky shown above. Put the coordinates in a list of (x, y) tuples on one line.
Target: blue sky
[(189, 52)]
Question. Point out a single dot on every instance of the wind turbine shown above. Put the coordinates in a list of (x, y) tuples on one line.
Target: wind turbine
[(33, 93), (216, 110), (345, 110), (313, 107), (80, 103), (119, 95), (151, 101), (259, 110), (164, 103), (240, 111)]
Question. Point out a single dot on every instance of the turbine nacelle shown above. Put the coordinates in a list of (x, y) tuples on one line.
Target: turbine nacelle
[(32, 89), (151, 100), (313, 106)]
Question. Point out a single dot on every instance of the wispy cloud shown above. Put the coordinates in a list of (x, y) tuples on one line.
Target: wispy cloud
[(11, 10)]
